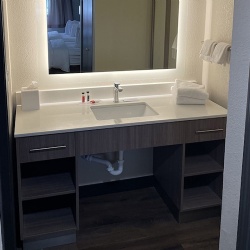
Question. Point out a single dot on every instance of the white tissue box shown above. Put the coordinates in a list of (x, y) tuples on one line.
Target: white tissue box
[(30, 99)]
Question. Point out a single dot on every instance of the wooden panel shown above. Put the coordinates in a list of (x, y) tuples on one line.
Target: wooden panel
[(216, 185), (76, 203), (37, 148), (200, 214), (201, 164), (199, 197), (124, 138), (47, 222), (205, 130), (218, 152), (55, 240), (47, 186), (168, 171)]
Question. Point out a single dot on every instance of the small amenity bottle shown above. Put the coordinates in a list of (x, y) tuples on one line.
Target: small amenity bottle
[(83, 97), (88, 98)]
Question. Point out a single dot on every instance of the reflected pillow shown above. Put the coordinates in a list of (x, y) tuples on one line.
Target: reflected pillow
[(68, 27), (78, 38), (75, 25)]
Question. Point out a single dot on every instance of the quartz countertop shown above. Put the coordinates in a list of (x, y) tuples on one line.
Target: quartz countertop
[(75, 116)]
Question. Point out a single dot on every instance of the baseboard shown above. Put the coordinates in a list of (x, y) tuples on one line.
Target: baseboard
[(116, 186)]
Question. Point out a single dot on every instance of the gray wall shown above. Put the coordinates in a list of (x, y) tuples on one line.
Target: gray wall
[(238, 90)]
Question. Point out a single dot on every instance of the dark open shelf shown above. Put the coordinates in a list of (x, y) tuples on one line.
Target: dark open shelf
[(47, 186), (199, 197), (201, 164), (46, 222)]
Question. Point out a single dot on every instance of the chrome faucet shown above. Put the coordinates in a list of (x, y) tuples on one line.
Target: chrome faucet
[(116, 90)]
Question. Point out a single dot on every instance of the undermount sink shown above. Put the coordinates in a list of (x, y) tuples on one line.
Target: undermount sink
[(122, 110)]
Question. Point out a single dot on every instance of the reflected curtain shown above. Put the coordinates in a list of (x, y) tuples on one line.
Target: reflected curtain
[(59, 12)]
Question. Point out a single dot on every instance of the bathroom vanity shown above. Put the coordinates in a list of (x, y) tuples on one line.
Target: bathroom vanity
[(188, 142)]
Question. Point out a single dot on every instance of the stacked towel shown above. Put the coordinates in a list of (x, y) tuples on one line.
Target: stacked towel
[(221, 53), (207, 50), (189, 92)]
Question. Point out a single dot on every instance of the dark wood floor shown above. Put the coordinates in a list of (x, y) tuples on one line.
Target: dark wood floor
[(139, 220)]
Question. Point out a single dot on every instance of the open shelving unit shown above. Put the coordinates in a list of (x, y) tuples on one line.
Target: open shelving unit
[(46, 222), (48, 202), (47, 186), (189, 178)]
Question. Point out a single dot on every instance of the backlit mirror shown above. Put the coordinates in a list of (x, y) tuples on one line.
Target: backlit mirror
[(111, 35)]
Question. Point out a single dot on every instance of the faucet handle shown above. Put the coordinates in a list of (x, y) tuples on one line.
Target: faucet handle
[(116, 84)]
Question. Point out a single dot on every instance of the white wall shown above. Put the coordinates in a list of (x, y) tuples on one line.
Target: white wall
[(218, 28), (8, 77), (28, 58), (28, 49), (122, 35), (238, 91)]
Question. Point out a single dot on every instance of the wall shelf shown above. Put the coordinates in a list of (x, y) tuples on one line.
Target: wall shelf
[(201, 164), (46, 222), (47, 186), (199, 197), (190, 176), (48, 193)]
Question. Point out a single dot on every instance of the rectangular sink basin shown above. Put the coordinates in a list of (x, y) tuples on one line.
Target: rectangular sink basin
[(122, 110)]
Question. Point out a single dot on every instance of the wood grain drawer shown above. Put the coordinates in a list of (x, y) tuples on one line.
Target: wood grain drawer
[(47, 147), (125, 138), (205, 130)]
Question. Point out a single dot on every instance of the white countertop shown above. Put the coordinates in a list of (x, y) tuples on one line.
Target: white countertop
[(75, 116)]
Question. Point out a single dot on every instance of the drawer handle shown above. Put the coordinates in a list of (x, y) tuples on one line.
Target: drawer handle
[(209, 131), (33, 150)]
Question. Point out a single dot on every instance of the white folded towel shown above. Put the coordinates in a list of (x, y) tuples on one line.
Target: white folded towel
[(221, 53), (179, 81), (189, 92), (196, 93), (184, 83), (207, 49), (192, 84), (181, 100)]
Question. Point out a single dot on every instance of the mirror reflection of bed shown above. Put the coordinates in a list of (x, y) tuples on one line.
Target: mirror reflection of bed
[(111, 35), (64, 45), (65, 49)]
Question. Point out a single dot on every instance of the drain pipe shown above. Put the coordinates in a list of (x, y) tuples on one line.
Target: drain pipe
[(120, 165), (110, 167)]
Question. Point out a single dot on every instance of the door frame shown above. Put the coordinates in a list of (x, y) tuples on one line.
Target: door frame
[(7, 200), (243, 236)]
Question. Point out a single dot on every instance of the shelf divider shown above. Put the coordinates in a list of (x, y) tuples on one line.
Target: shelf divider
[(200, 165), (47, 186), (199, 197), (46, 222)]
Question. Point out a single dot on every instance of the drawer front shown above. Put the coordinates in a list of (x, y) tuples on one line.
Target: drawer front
[(47, 147), (125, 138), (205, 130)]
